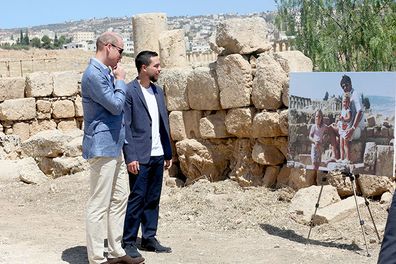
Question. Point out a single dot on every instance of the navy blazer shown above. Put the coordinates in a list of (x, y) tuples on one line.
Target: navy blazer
[(138, 124), (103, 104)]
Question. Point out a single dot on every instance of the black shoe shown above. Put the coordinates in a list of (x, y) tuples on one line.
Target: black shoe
[(131, 250), (152, 244)]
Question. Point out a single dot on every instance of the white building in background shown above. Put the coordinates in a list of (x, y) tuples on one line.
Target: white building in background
[(81, 36), (128, 42)]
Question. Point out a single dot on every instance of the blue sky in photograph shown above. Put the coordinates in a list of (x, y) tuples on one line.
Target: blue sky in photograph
[(17, 13), (314, 85)]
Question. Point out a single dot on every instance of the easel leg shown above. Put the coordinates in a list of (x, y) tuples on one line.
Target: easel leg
[(311, 224)]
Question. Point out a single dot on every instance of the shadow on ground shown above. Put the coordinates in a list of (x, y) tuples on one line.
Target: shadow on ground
[(75, 255), (292, 236)]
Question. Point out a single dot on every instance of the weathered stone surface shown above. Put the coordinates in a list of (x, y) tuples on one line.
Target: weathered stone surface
[(343, 185), (48, 143), (63, 109), (203, 92), (9, 146), (267, 154), (301, 178), (12, 88), (213, 126), (66, 125), (204, 160), (172, 48), (176, 124), (370, 156), (39, 84), (243, 168), (29, 172), (9, 171), (386, 198), (146, 31), (371, 121), (43, 106), (294, 61), (234, 76), (174, 82), (238, 121), (66, 83), (302, 205), (384, 164), (74, 147), (280, 142), (282, 179), (266, 124), (236, 35), (373, 185), (21, 129), (271, 173), (40, 125), (337, 211), (18, 109), (191, 123), (284, 122), (78, 107), (268, 83)]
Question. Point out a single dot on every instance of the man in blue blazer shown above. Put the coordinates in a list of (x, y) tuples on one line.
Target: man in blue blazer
[(104, 134), (147, 150)]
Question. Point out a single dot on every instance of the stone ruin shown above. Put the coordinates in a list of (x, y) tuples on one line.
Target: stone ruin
[(228, 119)]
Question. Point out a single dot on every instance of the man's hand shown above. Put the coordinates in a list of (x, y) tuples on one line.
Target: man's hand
[(133, 167), (168, 163), (349, 133), (119, 72)]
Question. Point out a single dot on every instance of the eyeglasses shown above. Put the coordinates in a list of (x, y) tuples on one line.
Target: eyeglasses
[(118, 48)]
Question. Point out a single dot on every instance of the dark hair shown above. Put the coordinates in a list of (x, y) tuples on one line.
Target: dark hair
[(143, 58), (345, 80)]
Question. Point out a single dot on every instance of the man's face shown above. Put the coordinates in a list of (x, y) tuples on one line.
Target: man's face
[(115, 53), (154, 69), (347, 87)]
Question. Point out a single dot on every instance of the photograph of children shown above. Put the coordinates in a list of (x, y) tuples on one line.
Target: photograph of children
[(342, 121)]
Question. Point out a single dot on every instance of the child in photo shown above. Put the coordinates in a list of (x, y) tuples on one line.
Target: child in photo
[(316, 137), (344, 124)]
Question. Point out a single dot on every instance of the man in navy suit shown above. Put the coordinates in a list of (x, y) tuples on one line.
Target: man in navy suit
[(104, 135), (147, 150)]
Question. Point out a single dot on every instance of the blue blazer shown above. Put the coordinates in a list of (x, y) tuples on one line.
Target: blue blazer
[(103, 102), (138, 124)]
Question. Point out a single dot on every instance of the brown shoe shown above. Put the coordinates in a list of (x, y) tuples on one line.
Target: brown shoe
[(125, 260)]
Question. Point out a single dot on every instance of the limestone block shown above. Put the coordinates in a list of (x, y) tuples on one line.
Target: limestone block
[(294, 61), (280, 142), (373, 185), (9, 171), (40, 125), (204, 160), (63, 109), (172, 48), (146, 31), (39, 84), (266, 124), (202, 90), (66, 125), (78, 107), (384, 165), (284, 122), (386, 198), (302, 205), (301, 178), (238, 121), (10, 145), (285, 94), (12, 88), (74, 147), (48, 143), (370, 156), (337, 211), (18, 109), (343, 185), (29, 172), (191, 123), (268, 83), (243, 168), (43, 106), (267, 154), (271, 173), (176, 124), (234, 77), (213, 126), (243, 35), (21, 129), (174, 82), (68, 165), (371, 121), (66, 83), (283, 177)]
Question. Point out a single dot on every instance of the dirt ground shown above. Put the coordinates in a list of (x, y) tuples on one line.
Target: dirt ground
[(203, 223)]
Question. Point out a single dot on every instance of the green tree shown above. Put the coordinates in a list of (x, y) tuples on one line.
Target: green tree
[(46, 42), (326, 97), (56, 41), (35, 42), (365, 102), (26, 40), (342, 35), (20, 41)]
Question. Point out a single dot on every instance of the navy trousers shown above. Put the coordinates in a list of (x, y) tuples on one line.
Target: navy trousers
[(143, 201), (388, 248)]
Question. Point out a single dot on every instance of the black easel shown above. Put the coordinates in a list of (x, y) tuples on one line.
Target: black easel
[(354, 182)]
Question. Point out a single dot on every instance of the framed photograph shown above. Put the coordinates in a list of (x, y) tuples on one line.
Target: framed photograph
[(342, 121)]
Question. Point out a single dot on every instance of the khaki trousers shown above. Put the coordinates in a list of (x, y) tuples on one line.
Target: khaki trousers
[(109, 190)]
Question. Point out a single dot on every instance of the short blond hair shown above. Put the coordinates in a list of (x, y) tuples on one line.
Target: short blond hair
[(106, 38)]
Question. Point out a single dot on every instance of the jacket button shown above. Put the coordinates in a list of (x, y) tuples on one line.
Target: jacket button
[(150, 137)]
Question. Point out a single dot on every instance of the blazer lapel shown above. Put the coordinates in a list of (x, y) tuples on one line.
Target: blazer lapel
[(136, 84)]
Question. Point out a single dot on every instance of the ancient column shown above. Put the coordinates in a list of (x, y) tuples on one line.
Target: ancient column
[(173, 48)]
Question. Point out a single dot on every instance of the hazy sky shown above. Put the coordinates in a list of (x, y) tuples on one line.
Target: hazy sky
[(315, 85), (18, 13)]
